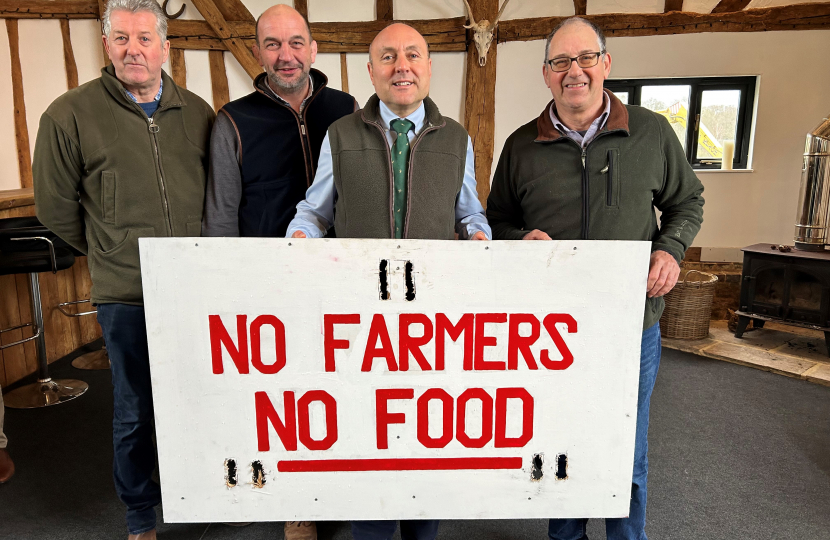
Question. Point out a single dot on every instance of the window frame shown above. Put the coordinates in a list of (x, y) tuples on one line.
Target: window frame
[(698, 85)]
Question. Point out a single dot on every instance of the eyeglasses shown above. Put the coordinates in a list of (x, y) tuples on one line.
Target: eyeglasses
[(584, 61)]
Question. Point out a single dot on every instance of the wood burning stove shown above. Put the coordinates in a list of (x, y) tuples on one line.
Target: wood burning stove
[(792, 287)]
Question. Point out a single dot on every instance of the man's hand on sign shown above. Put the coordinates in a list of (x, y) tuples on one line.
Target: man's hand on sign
[(536, 234), (298, 234), (663, 272), (479, 236)]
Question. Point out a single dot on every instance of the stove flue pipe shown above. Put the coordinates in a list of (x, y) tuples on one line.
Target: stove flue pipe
[(814, 197)]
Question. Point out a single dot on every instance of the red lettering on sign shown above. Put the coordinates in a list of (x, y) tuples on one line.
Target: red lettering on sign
[(279, 344), (501, 439), (266, 414), (329, 343), (482, 341), (521, 344), (443, 325), (550, 325), (330, 405), (378, 330), (446, 416), (382, 415), (407, 343), (219, 336), (486, 418)]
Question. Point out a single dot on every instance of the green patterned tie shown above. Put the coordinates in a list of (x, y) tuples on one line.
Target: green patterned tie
[(400, 158)]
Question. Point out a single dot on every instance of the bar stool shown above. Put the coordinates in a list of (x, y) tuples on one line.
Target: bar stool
[(26, 246), (91, 360)]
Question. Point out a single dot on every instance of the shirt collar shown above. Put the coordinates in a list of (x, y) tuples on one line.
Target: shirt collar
[(599, 121), (302, 105), (158, 95), (417, 117)]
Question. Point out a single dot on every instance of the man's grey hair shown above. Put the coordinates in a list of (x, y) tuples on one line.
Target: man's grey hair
[(135, 6), (576, 20)]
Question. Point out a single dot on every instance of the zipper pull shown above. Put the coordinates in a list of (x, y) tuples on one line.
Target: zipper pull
[(604, 170), (302, 128), (154, 128), (584, 151)]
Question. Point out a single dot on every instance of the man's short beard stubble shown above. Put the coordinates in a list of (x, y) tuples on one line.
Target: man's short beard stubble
[(288, 87)]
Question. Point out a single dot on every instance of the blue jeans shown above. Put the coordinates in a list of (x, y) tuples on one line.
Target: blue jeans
[(411, 529), (134, 454), (632, 527)]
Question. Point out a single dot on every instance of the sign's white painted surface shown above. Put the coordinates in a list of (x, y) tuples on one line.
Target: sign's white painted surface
[(380, 434)]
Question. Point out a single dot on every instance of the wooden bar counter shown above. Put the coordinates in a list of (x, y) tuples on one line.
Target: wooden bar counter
[(63, 334)]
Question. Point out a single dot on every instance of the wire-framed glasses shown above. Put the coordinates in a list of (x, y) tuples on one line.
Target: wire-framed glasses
[(584, 61)]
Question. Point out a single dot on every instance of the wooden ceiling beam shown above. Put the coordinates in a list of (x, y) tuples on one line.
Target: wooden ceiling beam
[(302, 7), (232, 40), (384, 10), (234, 10), (46, 9), (730, 6), (673, 5), (443, 35), (796, 17)]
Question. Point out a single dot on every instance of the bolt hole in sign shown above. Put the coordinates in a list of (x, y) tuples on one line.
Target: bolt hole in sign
[(345, 379)]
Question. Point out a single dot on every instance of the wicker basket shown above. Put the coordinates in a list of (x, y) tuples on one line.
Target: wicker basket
[(689, 306)]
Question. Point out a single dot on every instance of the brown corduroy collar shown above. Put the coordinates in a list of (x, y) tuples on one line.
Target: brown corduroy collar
[(617, 120)]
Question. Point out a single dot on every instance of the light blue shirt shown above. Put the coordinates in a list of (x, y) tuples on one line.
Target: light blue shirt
[(583, 139), (315, 215)]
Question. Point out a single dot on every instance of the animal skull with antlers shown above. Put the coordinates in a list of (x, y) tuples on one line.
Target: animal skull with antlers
[(483, 31)]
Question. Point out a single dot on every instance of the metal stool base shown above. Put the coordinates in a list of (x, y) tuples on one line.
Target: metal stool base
[(45, 392), (93, 360)]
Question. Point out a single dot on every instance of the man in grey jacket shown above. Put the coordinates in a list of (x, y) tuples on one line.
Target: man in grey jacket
[(116, 159)]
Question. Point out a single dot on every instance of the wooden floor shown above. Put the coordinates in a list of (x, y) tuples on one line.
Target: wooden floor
[(779, 348)]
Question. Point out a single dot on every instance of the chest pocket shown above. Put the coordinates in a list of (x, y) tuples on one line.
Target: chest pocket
[(612, 178)]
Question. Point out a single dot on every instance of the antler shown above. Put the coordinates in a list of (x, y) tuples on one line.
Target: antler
[(496, 21), (470, 13)]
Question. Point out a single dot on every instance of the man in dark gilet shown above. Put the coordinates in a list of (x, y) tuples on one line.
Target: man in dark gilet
[(264, 146), (395, 169)]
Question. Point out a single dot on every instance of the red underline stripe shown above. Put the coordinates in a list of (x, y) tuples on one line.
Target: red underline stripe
[(401, 464)]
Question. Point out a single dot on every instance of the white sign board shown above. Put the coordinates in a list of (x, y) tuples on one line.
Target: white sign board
[(383, 379)]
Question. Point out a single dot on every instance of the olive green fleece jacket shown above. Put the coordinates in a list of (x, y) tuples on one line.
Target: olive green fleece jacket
[(105, 175), (634, 164)]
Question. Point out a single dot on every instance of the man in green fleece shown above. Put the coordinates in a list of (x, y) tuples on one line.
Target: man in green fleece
[(119, 158), (593, 168)]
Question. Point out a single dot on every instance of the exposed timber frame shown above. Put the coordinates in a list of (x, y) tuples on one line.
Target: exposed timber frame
[(797, 17), (21, 129), (228, 25)]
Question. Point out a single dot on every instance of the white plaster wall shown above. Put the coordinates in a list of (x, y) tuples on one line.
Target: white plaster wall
[(773, 3), (340, 10), (516, 9), (85, 35), (197, 66), (700, 6), (625, 6), (742, 208), (447, 83), (359, 84), (239, 84), (9, 171), (329, 64), (41, 62)]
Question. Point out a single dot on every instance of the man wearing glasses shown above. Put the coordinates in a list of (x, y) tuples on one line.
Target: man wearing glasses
[(592, 168)]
